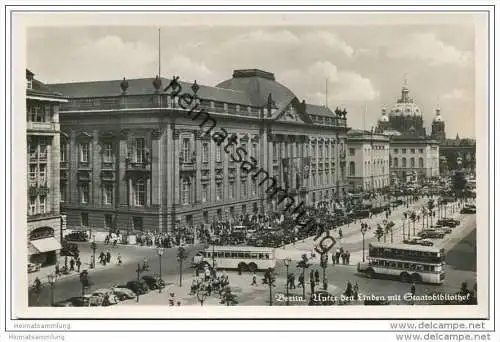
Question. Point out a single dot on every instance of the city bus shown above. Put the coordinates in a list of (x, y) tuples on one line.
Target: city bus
[(244, 258), (408, 263)]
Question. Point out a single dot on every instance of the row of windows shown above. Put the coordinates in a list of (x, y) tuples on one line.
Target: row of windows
[(137, 221), (38, 112), (37, 149), (412, 150), (138, 192), (238, 255), (412, 162), (37, 205), (403, 265), (137, 151)]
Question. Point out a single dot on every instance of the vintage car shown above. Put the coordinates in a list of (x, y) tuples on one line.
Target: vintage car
[(139, 287), (107, 295), (431, 233), (122, 293), (33, 267), (426, 242), (154, 283)]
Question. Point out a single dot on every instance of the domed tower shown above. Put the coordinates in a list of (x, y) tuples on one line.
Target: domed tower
[(438, 132), (405, 113), (383, 121)]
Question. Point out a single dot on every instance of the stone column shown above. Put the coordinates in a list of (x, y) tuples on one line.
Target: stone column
[(123, 197), (198, 163), (176, 166)]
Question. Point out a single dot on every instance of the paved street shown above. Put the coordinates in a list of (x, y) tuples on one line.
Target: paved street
[(461, 259)]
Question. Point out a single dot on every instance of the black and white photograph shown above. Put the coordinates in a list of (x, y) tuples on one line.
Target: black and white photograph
[(295, 165)]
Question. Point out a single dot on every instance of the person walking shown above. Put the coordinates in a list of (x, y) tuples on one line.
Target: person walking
[(337, 256), (292, 281), (254, 279), (58, 270), (78, 264), (108, 256), (316, 277), (347, 257), (333, 258), (119, 259), (301, 281), (72, 264)]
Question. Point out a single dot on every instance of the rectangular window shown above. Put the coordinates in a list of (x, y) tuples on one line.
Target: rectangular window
[(254, 187), (232, 190), (403, 150), (33, 150), (43, 150), (218, 191), (108, 221), (138, 224), (185, 191), (186, 150), (412, 151), (64, 147), (352, 151), (395, 150), (254, 150), (32, 206), (204, 156), (84, 218), (43, 205), (275, 152), (84, 193), (32, 173), (204, 192), (108, 193), (244, 189), (140, 193), (29, 83), (43, 174), (63, 188), (139, 150), (84, 152), (218, 156), (108, 152)]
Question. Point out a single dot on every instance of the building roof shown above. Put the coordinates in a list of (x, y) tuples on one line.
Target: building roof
[(144, 86), (362, 135), (258, 84), (318, 110), (40, 89)]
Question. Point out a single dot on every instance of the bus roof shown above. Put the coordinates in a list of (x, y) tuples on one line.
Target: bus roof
[(240, 248), (405, 246)]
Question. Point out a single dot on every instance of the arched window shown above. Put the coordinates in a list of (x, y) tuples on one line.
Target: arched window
[(412, 162), (421, 162), (403, 162), (352, 168)]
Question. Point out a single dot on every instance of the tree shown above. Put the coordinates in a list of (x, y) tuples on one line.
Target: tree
[(459, 183), (379, 232)]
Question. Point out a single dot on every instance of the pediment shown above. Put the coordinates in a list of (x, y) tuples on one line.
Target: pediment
[(294, 111)]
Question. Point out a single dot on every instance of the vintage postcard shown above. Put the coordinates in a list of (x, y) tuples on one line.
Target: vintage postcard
[(250, 165)]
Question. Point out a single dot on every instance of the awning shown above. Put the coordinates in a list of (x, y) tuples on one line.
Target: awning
[(46, 245)]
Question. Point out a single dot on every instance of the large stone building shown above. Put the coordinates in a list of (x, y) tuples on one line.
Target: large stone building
[(368, 161), (137, 160), (43, 134), (414, 154)]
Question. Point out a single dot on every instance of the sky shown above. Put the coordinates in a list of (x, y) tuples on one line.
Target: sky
[(365, 66)]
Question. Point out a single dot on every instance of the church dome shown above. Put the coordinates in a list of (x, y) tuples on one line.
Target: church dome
[(405, 105), (438, 117), (384, 117)]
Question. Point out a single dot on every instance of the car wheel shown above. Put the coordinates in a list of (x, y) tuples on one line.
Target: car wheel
[(242, 267), (252, 267), (405, 277), (370, 273), (416, 278)]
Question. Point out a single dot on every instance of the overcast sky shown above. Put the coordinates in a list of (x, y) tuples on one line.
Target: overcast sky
[(365, 65)]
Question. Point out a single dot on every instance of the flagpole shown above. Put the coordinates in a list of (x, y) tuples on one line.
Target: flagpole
[(159, 52)]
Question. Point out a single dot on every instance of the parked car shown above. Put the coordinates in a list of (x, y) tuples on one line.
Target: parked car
[(154, 283), (414, 241), (107, 295), (139, 287), (77, 236), (468, 210), (122, 293), (431, 233), (449, 222), (33, 267), (426, 242), (80, 301), (63, 303)]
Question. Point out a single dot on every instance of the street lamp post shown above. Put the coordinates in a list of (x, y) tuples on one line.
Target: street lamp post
[(138, 271), (160, 254), (52, 282), (181, 255), (93, 246), (287, 262), (363, 232), (403, 227)]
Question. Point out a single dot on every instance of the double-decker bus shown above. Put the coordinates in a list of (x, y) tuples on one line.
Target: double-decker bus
[(408, 263), (244, 258)]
